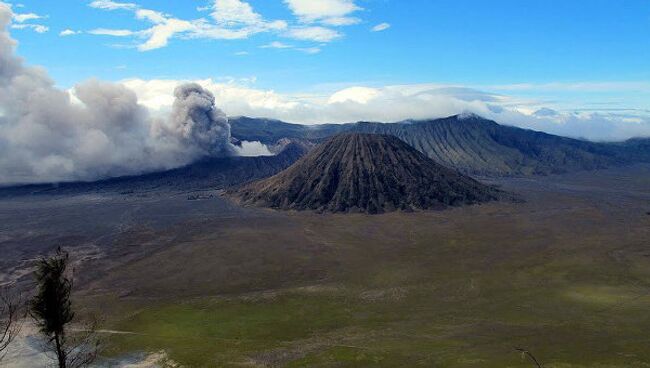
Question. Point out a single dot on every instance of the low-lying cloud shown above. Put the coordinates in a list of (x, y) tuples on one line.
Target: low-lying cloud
[(403, 102), (252, 149)]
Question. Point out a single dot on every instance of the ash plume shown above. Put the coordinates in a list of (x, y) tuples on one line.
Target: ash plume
[(198, 122), (46, 135)]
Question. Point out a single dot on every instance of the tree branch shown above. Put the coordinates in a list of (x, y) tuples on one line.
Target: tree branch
[(10, 321), (530, 356)]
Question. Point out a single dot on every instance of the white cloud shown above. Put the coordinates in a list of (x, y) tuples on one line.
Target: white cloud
[(20, 18), (112, 32), (151, 15), (203, 29), (310, 50), (234, 12), (234, 19), (157, 94), (341, 21), (315, 33), (400, 102), (68, 32), (38, 28), (239, 15), (380, 27), (576, 86), (112, 5), (331, 12), (361, 95), (282, 45), (276, 45), (242, 53), (164, 28), (510, 104)]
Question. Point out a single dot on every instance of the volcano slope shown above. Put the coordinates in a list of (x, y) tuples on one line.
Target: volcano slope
[(368, 173)]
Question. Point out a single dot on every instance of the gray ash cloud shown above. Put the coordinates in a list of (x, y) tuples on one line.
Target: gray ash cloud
[(198, 122), (46, 135)]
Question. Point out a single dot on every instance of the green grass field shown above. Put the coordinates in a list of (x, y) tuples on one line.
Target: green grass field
[(566, 276), (324, 329)]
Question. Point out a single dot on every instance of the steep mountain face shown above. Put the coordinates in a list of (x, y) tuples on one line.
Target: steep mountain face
[(474, 145), (208, 173), (635, 149), (365, 173), (482, 147)]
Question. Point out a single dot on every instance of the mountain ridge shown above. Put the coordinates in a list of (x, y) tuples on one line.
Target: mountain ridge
[(473, 145)]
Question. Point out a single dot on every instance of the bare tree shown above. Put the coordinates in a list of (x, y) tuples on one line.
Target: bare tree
[(530, 356), (10, 316), (52, 310)]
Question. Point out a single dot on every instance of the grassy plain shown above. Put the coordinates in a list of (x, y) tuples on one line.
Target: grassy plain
[(565, 275)]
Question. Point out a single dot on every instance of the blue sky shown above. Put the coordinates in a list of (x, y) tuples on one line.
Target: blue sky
[(581, 59), (467, 42)]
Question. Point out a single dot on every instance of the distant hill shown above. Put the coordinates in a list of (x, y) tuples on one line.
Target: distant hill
[(470, 144), (269, 131), (637, 149), (208, 173), (368, 173)]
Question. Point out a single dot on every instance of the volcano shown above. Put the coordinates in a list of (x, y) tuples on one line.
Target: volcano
[(367, 173)]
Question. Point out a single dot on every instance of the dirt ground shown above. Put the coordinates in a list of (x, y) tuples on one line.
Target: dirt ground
[(564, 274)]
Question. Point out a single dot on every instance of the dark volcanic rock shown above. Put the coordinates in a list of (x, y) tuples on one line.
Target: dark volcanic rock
[(365, 173)]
